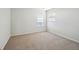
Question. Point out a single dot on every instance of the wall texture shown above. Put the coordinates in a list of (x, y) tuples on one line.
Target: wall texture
[(24, 20), (4, 26), (65, 22)]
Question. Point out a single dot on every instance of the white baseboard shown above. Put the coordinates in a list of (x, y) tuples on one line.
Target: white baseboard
[(2, 48), (65, 36), (26, 33)]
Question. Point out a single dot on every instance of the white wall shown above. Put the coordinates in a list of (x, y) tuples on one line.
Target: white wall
[(66, 24), (4, 26), (24, 20)]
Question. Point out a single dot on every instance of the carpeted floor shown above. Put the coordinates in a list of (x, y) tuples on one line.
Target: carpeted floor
[(40, 41)]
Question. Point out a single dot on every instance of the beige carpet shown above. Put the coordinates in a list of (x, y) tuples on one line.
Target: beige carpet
[(40, 41)]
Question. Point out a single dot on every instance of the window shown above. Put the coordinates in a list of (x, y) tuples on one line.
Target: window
[(40, 21), (52, 18)]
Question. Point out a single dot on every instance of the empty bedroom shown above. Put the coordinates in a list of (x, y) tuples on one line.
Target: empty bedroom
[(39, 28)]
